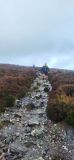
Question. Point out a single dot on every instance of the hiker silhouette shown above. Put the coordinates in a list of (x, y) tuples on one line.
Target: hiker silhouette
[(45, 69)]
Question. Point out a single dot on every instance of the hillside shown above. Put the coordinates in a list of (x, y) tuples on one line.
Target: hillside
[(14, 80), (61, 99), (25, 131)]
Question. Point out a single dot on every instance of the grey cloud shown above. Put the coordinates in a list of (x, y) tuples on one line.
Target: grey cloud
[(37, 30)]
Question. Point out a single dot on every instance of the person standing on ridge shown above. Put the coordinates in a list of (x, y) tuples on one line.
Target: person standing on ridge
[(45, 69)]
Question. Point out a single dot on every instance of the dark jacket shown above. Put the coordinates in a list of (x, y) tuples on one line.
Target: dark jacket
[(45, 70)]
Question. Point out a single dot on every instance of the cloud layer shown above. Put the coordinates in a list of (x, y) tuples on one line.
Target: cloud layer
[(37, 31)]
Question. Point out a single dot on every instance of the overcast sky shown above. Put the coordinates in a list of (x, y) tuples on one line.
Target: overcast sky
[(37, 31)]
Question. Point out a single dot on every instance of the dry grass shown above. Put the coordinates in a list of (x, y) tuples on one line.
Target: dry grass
[(61, 100), (15, 81)]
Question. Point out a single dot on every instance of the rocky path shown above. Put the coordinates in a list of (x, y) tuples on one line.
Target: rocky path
[(27, 134)]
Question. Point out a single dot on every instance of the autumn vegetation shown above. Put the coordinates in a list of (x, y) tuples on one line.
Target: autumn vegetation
[(61, 99), (15, 81)]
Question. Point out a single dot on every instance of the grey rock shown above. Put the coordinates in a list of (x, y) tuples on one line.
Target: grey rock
[(40, 158), (37, 131), (29, 144), (18, 115), (17, 148), (8, 140), (33, 122)]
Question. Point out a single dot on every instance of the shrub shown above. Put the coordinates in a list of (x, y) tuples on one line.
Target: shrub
[(70, 118), (9, 101), (61, 99), (13, 80), (56, 112), (69, 90), (59, 111), (2, 109), (22, 94)]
